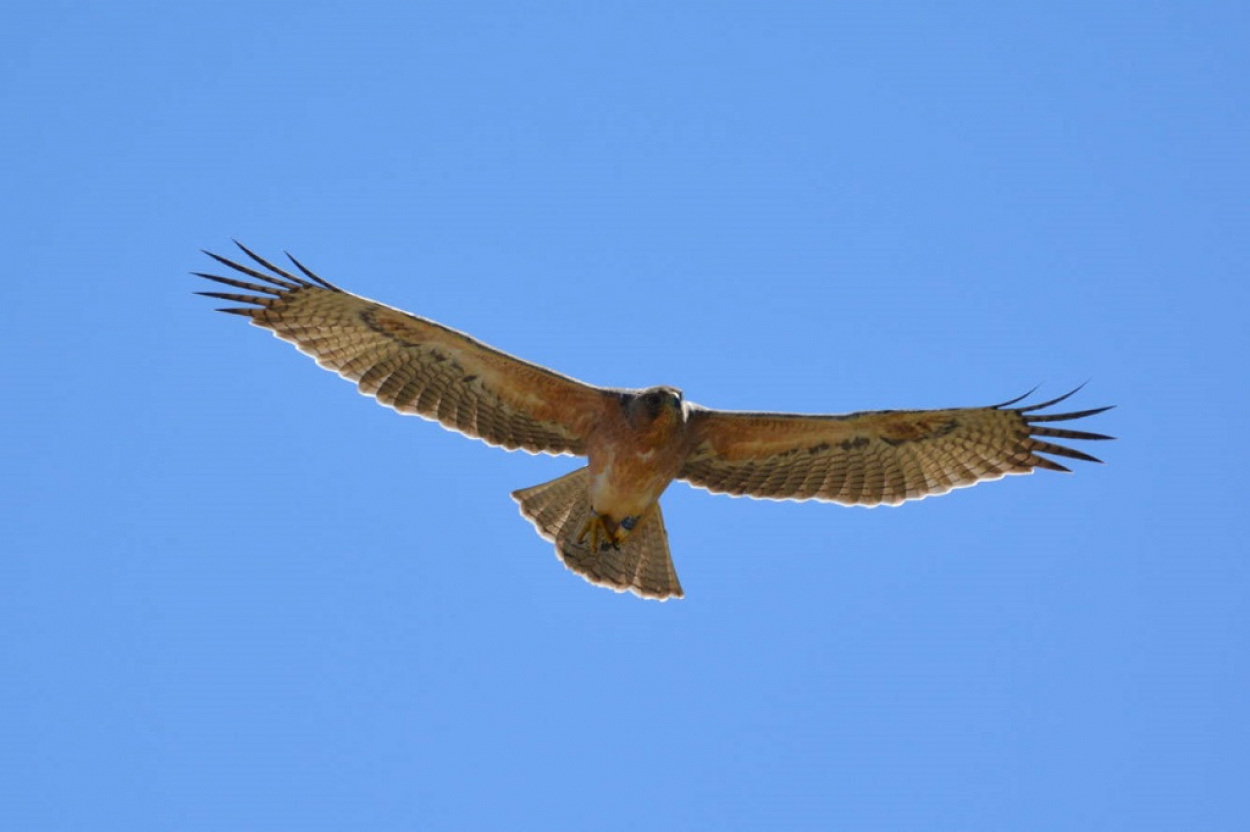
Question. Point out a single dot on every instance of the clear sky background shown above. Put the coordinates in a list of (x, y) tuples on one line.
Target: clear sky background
[(234, 594)]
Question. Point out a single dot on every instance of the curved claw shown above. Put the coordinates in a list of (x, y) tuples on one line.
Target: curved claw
[(601, 533)]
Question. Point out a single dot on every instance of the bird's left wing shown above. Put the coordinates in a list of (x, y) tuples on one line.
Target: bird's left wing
[(415, 365), (875, 457)]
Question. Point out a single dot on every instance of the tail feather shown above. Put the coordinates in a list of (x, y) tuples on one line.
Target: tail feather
[(641, 564)]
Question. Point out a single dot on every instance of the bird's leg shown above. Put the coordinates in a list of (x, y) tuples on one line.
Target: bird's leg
[(602, 531)]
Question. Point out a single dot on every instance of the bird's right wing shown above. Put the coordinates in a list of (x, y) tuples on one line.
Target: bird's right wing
[(415, 365)]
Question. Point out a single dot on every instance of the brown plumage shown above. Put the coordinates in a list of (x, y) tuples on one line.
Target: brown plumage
[(605, 518)]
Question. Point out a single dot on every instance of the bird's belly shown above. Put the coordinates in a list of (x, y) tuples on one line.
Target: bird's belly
[(627, 485)]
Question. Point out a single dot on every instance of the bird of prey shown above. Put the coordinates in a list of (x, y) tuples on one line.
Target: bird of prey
[(605, 518)]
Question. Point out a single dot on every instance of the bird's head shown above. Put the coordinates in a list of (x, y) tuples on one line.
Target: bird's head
[(655, 403)]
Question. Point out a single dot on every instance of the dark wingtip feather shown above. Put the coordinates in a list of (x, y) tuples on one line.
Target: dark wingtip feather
[(1064, 433), (272, 286), (250, 272), (1033, 423), (1010, 402), (1063, 417), (1051, 465), (240, 284), (268, 265), (310, 274), (1053, 401), (1061, 450), (237, 298)]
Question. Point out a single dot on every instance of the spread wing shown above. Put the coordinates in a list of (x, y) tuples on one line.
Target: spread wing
[(415, 365), (878, 457)]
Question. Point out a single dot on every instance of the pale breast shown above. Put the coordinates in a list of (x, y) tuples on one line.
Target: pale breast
[(630, 467)]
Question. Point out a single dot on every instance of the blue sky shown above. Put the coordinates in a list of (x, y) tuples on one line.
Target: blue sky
[(236, 595)]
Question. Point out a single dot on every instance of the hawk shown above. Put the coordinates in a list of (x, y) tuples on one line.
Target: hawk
[(605, 518)]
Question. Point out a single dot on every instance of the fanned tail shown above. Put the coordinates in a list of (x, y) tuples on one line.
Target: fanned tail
[(560, 510)]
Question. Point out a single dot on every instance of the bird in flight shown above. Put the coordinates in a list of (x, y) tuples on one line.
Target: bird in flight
[(605, 518)]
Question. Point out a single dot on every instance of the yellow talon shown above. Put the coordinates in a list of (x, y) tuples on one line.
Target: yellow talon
[(599, 532)]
